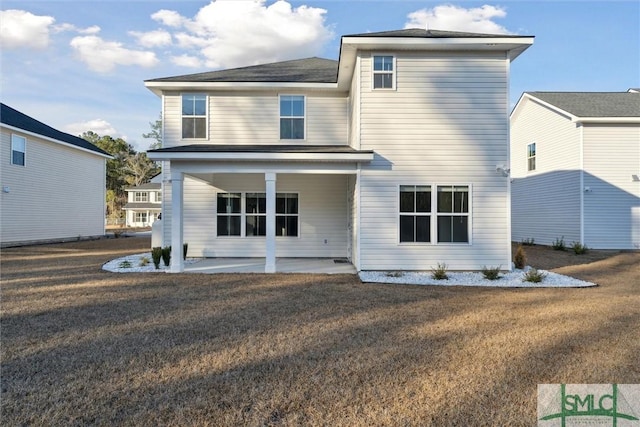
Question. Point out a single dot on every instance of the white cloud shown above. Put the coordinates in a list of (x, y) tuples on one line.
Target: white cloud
[(103, 56), (22, 29), (236, 33), (152, 38), (99, 126), (94, 29), (187, 61), (455, 18)]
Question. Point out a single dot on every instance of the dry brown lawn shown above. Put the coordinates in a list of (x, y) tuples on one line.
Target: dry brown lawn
[(81, 346)]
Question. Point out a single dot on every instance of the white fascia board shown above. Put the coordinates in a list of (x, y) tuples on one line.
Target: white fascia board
[(230, 156), (56, 141), (159, 87), (621, 120)]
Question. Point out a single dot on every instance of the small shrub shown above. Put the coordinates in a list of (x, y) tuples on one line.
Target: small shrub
[(520, 258), (185, 248), (528, 242), (166, 255), (156, 255), (579, 248), (125, 264), (491, 273), (559, 245), (143, 261), (533, 276), (394, 274), (440, 272)]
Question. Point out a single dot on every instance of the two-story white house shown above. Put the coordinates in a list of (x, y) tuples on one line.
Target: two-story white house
[(386, 157), (52, 184), (576, 168), (144, 203)]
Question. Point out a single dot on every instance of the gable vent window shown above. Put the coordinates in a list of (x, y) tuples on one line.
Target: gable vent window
[(383, 72), (194, 116)]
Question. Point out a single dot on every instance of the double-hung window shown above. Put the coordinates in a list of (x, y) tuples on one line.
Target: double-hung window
[(18, 150), (286, 214), (383, 72), (531, 157), (194, 116), (415, 213), (292, 111), (158, 196), (141, 196), (141, 217), (229, 214), (453, 213)]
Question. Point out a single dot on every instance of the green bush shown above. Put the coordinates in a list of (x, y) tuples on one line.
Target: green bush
[(491, 273), (440, 272), (156, 255), (559, 245), (166, 255), (125, 264), (533, 276), (520, 258), (579, 248)]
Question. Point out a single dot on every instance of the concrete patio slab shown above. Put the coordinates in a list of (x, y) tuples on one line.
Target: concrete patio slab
[(283, 265)]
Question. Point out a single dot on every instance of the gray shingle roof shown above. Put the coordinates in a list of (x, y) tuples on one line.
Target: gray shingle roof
[(309, 70), (15, 118), (147, 186), (434, 34), (210, 148), (594, 104), (140, 205)]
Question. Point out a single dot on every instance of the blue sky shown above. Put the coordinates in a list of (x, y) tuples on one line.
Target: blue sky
[(80, 65)]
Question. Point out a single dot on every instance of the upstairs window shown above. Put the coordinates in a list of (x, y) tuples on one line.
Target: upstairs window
[(531, 157), (292, 117), (415, 213), (18, 150), (194, 116), (383, 72), (158, 196), (453, 214), (141, 196)]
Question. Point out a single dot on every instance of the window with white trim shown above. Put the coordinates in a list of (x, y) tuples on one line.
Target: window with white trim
[(383, 72), (531, 157), (453, 214), (250, 209), (158, 196), (194, 116), (229, 214), (292, 116), (140, 196), (415, 213), (140, 217), (18, 150), (287, 214)]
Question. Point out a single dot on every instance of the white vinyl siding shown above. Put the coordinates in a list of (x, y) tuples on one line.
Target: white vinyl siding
[(545, 202), (612, 204), (447, 122), (59, 195), (254, 118), (322, 216)]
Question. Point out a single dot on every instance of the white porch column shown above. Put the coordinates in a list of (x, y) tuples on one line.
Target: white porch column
[(270, 260), (177, 264)]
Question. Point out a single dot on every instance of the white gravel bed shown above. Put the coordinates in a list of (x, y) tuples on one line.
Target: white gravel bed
[(506, 280), (117, 266)]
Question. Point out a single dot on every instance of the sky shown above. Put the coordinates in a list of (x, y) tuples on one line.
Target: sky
[(81, 65)]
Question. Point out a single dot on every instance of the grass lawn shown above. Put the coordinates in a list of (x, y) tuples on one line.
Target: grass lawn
[(81, 346)]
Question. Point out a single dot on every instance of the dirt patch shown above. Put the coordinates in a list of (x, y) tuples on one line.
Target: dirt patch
[(81, 346)]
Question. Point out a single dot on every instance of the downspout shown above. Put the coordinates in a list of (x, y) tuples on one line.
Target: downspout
[(508, 164), (581, 148)]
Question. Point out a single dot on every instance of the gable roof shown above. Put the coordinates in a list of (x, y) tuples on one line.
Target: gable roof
[(593, 104), (18, 120), (308, 70)]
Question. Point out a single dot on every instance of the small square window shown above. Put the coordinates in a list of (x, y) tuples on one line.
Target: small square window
[(383, 72)]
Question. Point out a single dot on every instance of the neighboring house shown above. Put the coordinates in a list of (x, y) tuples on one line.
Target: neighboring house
[(386, 157), (575, 165), (52, 183), (144, 203)]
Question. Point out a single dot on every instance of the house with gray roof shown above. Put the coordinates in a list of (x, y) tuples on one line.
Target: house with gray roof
[(575, 166), (52, 183), (144, 203), (386, 157)]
